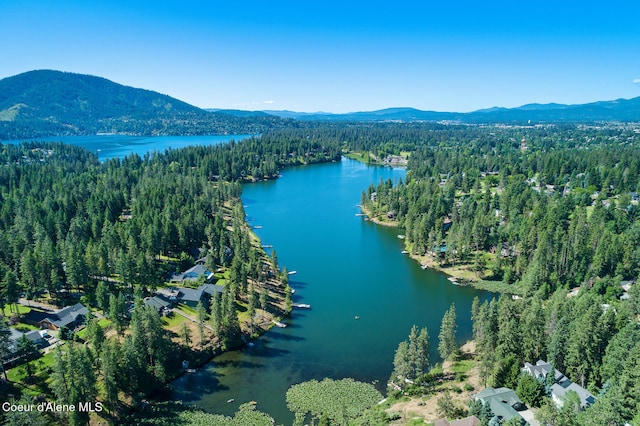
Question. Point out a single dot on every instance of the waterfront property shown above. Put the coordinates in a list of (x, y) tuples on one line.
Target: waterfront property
[(504, 402), (561, 384)]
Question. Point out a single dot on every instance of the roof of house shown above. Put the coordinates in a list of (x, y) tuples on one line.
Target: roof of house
[(37, 336), (157, 302), (68, 315), (560, 390), (562, 384), (501, 401), (467, 421), (196, 294), (192, 273), (541, 369)]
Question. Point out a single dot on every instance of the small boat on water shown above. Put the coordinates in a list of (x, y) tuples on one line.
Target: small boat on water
[(257, 227), (402, 237), (230, 400), (292, 272), (357, 317), (279, 324), (404, 252)]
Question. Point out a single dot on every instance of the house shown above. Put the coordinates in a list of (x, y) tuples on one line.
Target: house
[(467, 421), (39, 337), (504, 403), (561, 384), (70, 317), (193, 274), (160, 304), (191, 296)]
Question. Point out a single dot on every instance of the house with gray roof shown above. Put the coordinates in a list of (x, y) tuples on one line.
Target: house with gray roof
[(193, 274), (504, 403), (160, 304), (191, 296), (70, 317), (561, 384)]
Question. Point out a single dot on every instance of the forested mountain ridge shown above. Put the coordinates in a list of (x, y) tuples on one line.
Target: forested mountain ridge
[(616, 110), (52, 103)]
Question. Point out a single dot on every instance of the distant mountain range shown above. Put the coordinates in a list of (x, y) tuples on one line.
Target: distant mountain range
[(52, 103), (618, 110)]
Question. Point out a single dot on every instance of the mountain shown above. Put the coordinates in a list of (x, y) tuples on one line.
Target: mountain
[(52, 103), (617, 110)]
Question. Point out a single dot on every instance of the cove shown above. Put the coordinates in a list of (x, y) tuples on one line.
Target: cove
[(364, 293)]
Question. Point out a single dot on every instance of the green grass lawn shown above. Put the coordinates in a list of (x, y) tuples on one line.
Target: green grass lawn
[(20, 308), (37, 385)]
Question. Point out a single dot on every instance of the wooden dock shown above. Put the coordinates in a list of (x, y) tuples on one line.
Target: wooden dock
[(279, 324)]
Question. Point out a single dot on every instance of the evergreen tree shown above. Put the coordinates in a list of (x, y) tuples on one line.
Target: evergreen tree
[(447, 346), (5, 344)]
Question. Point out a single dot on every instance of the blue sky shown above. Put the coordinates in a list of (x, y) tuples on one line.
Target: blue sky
[(336, 56)]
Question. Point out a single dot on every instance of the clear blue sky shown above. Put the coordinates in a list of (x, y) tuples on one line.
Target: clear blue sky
[(336, 56)]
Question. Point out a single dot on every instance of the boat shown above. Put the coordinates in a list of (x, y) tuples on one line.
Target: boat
[(230, 400), (267, 246), (301, 305), (402, 237), (360, 214), (279, 324), (424, 266), (404, 252), (257, 227), (356, 317), (292, 272)]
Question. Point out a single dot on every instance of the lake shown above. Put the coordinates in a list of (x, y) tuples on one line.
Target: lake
[(119, 146), (346, 268)]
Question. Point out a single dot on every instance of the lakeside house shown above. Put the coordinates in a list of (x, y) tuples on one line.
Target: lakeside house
[(166, 298), (561, 384), (70, 317), (192, 274), (504, 403)]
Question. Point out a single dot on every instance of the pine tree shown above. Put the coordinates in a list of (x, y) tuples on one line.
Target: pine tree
[(447, 346), (201, 317)]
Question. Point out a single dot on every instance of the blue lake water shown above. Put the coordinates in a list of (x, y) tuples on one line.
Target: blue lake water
[(346, 267), (119, 146)]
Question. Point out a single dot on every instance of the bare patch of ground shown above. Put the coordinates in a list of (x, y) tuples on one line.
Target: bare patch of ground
[(426, 408)]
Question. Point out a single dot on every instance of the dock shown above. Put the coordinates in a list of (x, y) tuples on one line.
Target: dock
[(279, 324), (301, 305), (267, 246)]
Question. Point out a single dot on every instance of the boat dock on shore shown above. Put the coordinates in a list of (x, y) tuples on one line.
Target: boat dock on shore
[(279, 324)]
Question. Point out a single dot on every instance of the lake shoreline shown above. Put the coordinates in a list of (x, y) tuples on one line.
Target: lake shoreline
[(457, 275)]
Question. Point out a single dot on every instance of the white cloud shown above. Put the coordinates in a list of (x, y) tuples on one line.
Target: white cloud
[(273, 102), (636, 81)]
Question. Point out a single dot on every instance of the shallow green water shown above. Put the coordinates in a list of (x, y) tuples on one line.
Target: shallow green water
[(346, 267)]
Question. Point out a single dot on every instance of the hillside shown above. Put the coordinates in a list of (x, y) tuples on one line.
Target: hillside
[(49, 103)]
